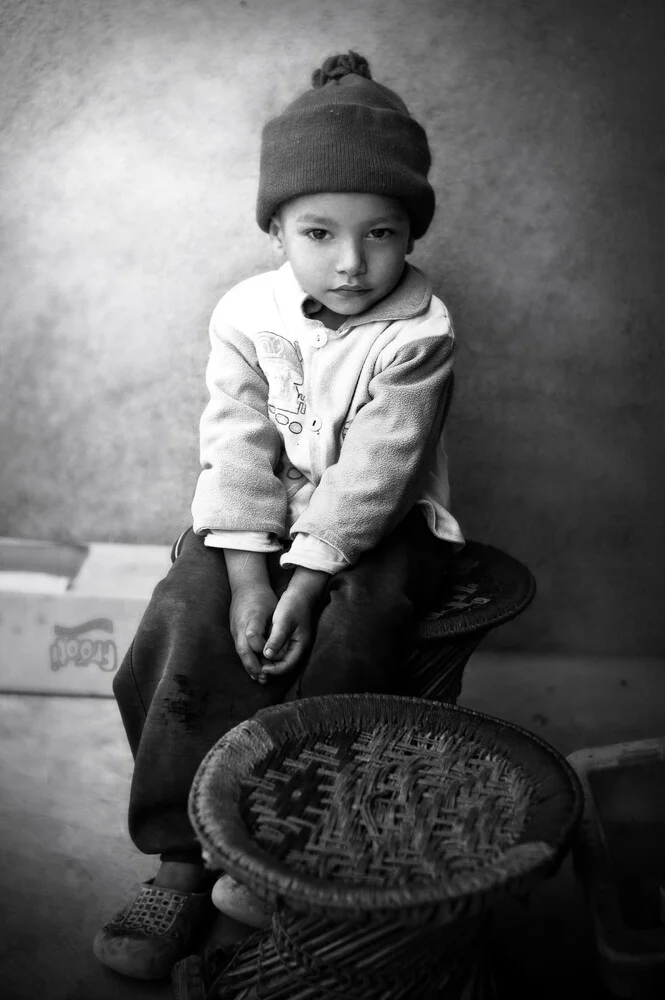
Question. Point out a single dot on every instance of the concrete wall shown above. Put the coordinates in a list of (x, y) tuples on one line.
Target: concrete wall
[(128, 159)]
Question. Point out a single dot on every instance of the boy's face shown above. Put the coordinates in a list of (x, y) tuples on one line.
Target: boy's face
[(346, 250)]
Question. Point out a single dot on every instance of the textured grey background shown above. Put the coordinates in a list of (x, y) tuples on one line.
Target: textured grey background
[(128, 157)]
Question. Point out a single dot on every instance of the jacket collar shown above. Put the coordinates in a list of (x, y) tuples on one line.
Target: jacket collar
[(409, 298)]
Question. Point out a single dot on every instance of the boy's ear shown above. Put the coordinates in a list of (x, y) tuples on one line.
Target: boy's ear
[(409, 245), (275, 234)]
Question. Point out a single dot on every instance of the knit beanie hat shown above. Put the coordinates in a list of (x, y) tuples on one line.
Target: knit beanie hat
[(346, 134)]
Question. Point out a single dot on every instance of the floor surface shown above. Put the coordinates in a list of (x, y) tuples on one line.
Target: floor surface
[(67, 863)]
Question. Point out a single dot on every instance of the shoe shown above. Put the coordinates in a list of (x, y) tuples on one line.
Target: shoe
[(154, 931), (236, 901)]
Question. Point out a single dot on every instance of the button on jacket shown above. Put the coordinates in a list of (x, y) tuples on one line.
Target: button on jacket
[(329, 436)]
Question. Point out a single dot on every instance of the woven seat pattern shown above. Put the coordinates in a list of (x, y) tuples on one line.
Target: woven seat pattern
[(484, 587), (382, 829), (387, 806), (376, 804)]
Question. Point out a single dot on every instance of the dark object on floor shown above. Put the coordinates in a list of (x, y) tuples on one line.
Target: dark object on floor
[(619, 855), (383, 830)]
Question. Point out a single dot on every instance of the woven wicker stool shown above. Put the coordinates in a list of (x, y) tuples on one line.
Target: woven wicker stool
[(382, 829), (485, 588)]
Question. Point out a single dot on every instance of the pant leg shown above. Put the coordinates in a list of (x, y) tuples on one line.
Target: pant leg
[(366, 628), (180, 687)]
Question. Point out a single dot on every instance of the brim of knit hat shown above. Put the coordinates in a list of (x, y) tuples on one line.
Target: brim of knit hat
[(301, 154)]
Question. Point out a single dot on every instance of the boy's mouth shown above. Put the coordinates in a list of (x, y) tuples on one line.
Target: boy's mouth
[(350, 290)]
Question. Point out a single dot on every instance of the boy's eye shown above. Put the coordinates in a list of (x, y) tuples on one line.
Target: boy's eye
[(317, 234), (381, 233)]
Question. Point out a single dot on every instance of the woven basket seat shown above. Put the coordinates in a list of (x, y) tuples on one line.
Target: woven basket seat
[(484, 588), (381, 828)]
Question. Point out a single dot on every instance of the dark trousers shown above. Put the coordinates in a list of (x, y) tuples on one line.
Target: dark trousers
[(182, 685)]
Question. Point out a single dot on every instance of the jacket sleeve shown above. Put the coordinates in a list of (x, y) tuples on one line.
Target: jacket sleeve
[(240, 448), (387, 452)]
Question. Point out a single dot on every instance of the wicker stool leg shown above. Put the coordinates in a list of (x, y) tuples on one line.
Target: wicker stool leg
[(305, 958), (436, 666)]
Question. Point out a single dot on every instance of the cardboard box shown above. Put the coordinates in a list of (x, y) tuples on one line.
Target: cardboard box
[(69, 612)]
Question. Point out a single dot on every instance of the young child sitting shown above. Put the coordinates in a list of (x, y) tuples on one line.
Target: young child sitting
[(320, 520)]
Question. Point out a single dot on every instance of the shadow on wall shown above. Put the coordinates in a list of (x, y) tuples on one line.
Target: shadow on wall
[(129, 158)]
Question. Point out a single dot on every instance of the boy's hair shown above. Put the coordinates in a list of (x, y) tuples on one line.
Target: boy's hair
[(346, 134)]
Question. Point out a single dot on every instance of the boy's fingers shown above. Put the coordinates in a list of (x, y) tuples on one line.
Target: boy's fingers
[(248, 657), (255, 641), (292, 654), (278, 637)]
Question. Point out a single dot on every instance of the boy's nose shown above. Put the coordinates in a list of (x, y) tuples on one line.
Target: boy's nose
[(351, 259)]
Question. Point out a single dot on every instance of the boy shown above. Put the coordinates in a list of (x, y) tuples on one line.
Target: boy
[(319, 519)]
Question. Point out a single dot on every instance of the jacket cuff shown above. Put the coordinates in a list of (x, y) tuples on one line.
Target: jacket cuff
[(247, 541), (313, 553)]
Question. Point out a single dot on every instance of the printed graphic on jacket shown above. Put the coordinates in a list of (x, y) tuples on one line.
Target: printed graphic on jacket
[(282, 363)]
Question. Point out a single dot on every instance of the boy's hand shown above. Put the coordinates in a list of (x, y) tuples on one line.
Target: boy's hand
[(252, 610), (252, 604), (293, 622)]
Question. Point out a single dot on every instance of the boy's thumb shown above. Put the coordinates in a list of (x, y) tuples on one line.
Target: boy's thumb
[(276, 639)]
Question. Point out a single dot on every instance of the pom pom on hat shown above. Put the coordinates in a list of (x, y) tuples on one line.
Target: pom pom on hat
[(336, 67), (346, 134)]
